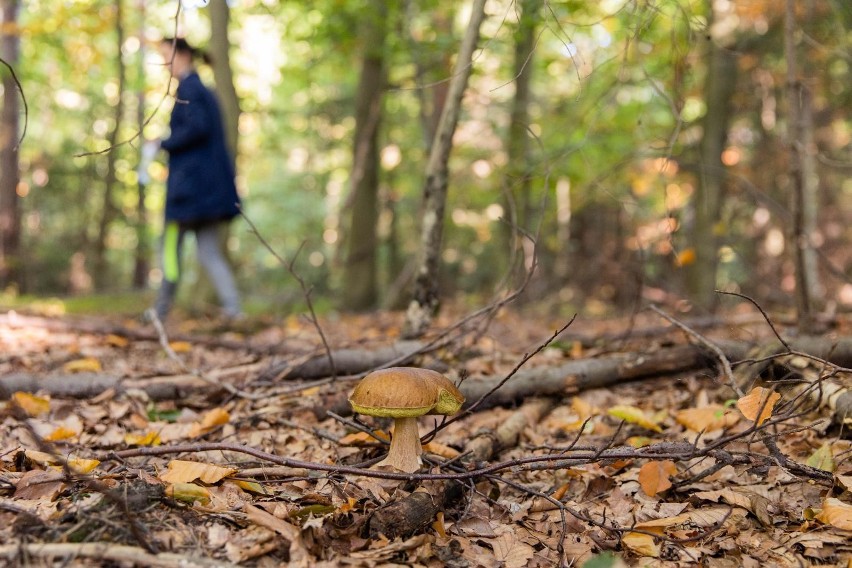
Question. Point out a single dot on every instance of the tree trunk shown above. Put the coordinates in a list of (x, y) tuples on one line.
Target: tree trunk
[(220, 47), (516, 190), (426, 295), (360, 291), (719, 86), (802, 176), (108, 209), (141, 265), (10, 214)]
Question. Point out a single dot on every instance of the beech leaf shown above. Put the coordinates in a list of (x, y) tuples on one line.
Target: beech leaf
[(640, 543), (836, 513), (706, 419), (31, 404), (822, 458), (759, 400), (84, 365), (634, 415), (655, 476), (182, 471)]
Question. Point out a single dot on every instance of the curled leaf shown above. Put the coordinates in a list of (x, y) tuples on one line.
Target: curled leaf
[(634, 415), (188, 493)]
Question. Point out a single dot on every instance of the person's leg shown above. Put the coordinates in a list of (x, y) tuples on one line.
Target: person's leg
[(172, 246), (214, 262)]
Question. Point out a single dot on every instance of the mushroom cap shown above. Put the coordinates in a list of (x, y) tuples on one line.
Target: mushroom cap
[(401, 392)]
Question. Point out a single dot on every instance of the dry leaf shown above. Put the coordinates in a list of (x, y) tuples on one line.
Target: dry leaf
[(82, 465), (512, 552), (836, 513), (42, 458), (146, 439), (441, 450), (707, 419), (758, 400), (822, 458), (210, 420), (655, 476), (361, 438), (31, 404), (438, 525), (188, 493), (180, 346), (634, 415), (117, 340), (640, 543), (38, 484), (84, 365), (61, 433), (182, 471)]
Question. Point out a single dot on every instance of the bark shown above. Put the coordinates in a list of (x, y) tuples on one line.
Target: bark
[(108, 208), (10, 213), (220, 48), (517, 186), (802, 176), (415, 512), (361, 271), (719, 87), (141, 261), (423, 307)]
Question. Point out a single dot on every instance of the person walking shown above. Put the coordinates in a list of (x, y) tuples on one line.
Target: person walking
[(201, 196)]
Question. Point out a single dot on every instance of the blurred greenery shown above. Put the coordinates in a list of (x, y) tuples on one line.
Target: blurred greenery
[(615, 120)]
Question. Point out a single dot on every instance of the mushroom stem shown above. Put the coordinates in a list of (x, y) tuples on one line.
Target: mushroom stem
[(405, 448)]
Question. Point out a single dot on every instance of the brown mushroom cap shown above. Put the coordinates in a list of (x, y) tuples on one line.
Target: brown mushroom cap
[(400, 392)]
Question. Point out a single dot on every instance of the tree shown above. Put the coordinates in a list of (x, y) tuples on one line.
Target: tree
[(108, 208), (719, 85), (360, 270), (803, 177), (141, 261), (10, 214), (220, 53), (426, 299)]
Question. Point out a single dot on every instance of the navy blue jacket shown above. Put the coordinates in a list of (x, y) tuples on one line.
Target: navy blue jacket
[(201, 185)]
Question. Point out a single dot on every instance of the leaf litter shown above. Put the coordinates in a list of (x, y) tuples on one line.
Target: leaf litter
[(61, 482)]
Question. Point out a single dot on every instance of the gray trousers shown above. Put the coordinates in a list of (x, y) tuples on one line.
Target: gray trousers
[(211, 258)]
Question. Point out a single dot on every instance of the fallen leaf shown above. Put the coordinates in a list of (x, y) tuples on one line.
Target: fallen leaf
[(180, 346), (182, 471), (146, 439), (512, 552), (61, 433), (117, 340), (836, 513), (252, 486), (685, 257), (441, 450), (639, 441), (210, 420), (39, 484), (759, 400), (84, 365), (655, 476), (31, 404), (362, 438), (634, 415), (82, 465), (438, 525), (822, 458), (42, 458), (640, 543), (706, 419), (188, 492)]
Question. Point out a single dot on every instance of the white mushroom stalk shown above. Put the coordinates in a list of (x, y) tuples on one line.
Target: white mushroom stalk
[(405, 448)]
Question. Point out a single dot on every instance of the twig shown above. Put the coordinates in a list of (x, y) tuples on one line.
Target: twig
[(23, 100), (306, 291), (164, 343)]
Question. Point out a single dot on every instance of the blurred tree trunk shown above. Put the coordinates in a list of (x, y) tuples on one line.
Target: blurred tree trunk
[(516, 189), (803, 177), (10, 213), (220, 52), (360, 289), (431, 74), (425, 303), (141, 262), (108, 209), (719, 86)]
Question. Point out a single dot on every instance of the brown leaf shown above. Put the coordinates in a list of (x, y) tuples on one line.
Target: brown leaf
[(181, 471), (39, 484), (836, 513), (655, 476), (641, 543), (759, 400), (706, 419)]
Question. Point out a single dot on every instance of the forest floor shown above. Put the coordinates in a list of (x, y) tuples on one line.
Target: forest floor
[(122, 444)]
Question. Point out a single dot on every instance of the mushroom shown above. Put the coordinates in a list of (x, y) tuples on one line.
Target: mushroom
[(404, 393)]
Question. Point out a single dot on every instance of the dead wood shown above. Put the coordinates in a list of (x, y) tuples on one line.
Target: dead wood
[(97, 551), (346, 361), (415, 512)]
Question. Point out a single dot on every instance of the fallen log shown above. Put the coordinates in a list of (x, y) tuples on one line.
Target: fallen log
[(414, 513)]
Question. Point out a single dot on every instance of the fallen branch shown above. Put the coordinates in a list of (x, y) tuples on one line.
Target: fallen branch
[(105, 551)]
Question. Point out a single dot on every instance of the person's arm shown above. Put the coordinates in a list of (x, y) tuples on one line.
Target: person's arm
[(192, 124)]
